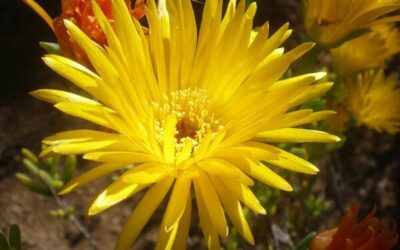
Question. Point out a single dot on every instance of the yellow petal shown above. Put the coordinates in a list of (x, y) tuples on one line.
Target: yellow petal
[(142, 213), (112, 39), (212, 203), (270, 72), (177, 237), (92, 113), (234, 210), (119, 190), (296, 135), (292, 162), (209, 232), (312, 92), (221, 168), (244, 194), (41, 12), (145, 173), (169, 138), (91, 175), (83, 147), (83, 78), (95, 53), (183, 227), (252, 150), (120, 157), (185, 153), (263, 174), (386, 20), (310, 78), (75, 72), (313, 117), (176, 207), (82, 135), (56, 96)]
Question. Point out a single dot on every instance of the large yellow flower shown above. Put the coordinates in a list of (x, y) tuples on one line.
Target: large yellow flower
[(367, 51), (186, 107), (331, 22), (374, 101)]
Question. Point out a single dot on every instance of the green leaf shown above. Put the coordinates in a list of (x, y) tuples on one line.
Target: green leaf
[(35, 170), (61, 214), (31, 166), (57, 184), (3, 242), (15, 237), (52, 48), (29, 155), (46, 178), (305, 242), (31, 185), (54, 167)]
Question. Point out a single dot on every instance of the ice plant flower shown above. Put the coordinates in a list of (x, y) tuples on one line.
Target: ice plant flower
[(368, 51), (187, 109), (332, 22), (374, 101), (81, 13), (367, 234)]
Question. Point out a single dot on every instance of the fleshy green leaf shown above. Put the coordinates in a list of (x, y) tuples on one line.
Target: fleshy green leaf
[(29, 155), (31, 185), (3, 242), (15, 237), (52, 48)]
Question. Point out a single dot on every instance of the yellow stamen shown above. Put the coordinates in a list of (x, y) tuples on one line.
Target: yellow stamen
[(194, 118)]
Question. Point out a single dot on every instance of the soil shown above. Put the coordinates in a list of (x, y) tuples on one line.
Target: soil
[(366, 169)]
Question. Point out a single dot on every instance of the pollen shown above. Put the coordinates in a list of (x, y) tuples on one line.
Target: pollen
[(195, 119)]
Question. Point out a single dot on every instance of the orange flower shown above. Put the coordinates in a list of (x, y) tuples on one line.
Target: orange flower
[(368, 234), (80, 12)]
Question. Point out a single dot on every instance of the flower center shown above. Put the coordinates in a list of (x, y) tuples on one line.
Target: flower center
[(194, 117)]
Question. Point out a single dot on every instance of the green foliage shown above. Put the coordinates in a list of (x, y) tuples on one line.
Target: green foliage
[(14, 239), (47, 174), (268, 197), (305, 242), (315, 205), (63, 214), (232, 243), (316, 104), (51, 48)]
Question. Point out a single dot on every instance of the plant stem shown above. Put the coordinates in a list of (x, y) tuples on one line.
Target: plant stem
[(62, 203)]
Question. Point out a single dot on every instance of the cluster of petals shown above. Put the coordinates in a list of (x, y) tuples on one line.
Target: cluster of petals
[(332, 22), (193, 111), (367, 234), (374, 101), (368, 51)]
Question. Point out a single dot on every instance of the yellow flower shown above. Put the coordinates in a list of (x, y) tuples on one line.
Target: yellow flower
[(367, 51), (332, 22), (186, 107), (374, 101)]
